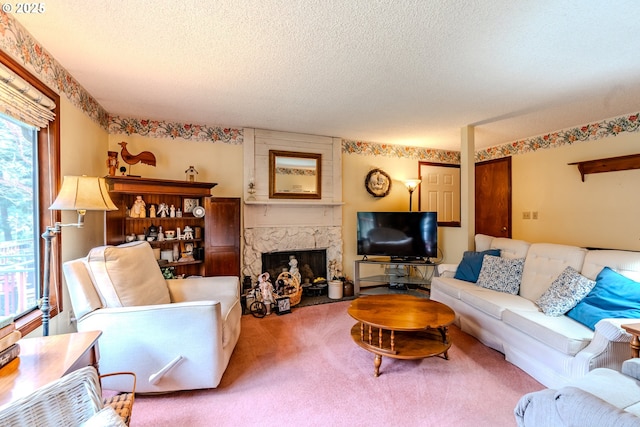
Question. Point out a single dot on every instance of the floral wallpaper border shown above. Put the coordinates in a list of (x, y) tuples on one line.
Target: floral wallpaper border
[(162, 129), (401, 151), (590, 132)]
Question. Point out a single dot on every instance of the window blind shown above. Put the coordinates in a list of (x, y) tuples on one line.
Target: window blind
[(22, 101)]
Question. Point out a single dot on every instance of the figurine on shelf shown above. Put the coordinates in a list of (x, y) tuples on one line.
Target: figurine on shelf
[(188, 233), (266, 290), (191, 174), (172, 211), (112, 162), (293, 268), (138, 208), (163, 210), (251, 189), (152, 211)]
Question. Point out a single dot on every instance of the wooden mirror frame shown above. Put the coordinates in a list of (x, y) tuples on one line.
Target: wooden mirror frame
[(273, 189)]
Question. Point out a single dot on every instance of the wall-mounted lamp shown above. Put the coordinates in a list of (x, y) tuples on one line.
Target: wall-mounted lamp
[(411, 185), (78, 193)]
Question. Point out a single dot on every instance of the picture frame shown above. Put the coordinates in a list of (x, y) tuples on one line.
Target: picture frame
[(188, 205), (283, 305)]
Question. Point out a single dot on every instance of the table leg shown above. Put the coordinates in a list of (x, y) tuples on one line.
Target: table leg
[(635, 346), (376, 365)]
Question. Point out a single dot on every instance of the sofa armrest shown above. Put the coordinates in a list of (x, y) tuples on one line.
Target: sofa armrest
[(162, 320), (612, 329), (577, 407), (608, 348), (570, 406), (447, 270), (204, 288)]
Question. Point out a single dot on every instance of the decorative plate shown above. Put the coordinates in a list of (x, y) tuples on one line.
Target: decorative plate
[(198, 211), (378, 183)]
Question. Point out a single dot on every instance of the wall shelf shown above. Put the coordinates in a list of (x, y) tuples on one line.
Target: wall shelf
[(610, 164)]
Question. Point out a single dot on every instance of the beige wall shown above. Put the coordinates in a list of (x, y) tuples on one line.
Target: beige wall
[(355, 168), (603, 211), (215, 162)]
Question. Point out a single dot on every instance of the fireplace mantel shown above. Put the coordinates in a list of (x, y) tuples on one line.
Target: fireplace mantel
[(292, 203)]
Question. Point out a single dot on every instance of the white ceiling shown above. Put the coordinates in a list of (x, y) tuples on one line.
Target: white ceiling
[(410, 72)]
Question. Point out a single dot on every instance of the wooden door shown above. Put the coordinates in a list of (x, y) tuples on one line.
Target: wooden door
[(493, 197), (222, 236)]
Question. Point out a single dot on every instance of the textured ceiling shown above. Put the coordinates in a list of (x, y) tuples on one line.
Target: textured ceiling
[(410, 72)]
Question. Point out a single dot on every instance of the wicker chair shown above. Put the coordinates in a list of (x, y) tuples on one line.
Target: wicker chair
[(68, 401)]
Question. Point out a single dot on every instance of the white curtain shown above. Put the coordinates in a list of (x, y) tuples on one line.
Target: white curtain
[(22, 101)]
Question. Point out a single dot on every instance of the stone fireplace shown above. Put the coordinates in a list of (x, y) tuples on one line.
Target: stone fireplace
[(286, 241), (285, 225)]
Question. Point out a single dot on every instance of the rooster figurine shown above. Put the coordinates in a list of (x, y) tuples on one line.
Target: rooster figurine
[(146, 157)]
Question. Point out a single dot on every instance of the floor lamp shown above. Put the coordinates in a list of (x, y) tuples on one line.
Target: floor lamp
[(78, 193), (411, 184)]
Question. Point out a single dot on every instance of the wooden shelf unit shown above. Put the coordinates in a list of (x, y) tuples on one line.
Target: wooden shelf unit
[(220, 227)]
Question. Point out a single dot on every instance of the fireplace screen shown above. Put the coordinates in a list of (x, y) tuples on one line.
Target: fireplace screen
[(311, 263)]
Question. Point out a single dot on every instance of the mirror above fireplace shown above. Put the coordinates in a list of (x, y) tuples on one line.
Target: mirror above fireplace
[(294, 175)]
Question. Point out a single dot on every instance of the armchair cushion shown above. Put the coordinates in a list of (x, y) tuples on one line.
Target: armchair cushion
[(127, 275)]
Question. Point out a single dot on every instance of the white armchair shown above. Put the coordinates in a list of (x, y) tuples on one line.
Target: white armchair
[(173, 334)]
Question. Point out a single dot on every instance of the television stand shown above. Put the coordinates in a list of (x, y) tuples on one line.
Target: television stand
[(419, 273)]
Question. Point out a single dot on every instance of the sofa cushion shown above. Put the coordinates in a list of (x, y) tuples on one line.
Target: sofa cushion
[(544, 263), (626, 263), (510, 248), (564, 293), (450, 286), (127, 275), (494, 303), (614, 296), (469, 268), (501, 274), (483, 242), (560, 333)]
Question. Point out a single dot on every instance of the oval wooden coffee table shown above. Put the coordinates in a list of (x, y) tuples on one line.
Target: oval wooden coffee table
[(401, 326)]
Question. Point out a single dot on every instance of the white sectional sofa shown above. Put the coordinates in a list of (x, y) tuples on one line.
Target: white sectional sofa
[(553, 350)]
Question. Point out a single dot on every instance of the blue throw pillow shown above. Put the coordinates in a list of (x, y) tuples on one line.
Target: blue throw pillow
[(471, 264), (614, 296)]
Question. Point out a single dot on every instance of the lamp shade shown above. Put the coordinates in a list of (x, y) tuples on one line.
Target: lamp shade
[(83, 193), (412, 184)]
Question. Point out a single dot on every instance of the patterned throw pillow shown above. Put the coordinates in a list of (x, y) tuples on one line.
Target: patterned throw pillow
[(565, 292), (501, 274), (471, 264)]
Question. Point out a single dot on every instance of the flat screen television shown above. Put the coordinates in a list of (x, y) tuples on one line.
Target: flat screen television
[(399, 235)]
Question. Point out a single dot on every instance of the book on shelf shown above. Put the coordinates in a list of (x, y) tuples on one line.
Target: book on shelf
[(7, 329), (5, 321), (7, 355), (10, 340)]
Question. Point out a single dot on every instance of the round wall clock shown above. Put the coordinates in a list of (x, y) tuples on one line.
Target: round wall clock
[(378, 183)]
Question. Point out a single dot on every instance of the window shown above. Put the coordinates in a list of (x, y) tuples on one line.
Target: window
[(18, 218), (45, 157)]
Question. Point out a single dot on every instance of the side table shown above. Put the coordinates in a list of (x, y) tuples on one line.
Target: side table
[(634, 330), (45, 359)]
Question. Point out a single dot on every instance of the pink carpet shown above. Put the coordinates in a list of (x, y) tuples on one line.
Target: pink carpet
[(304, 369)]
